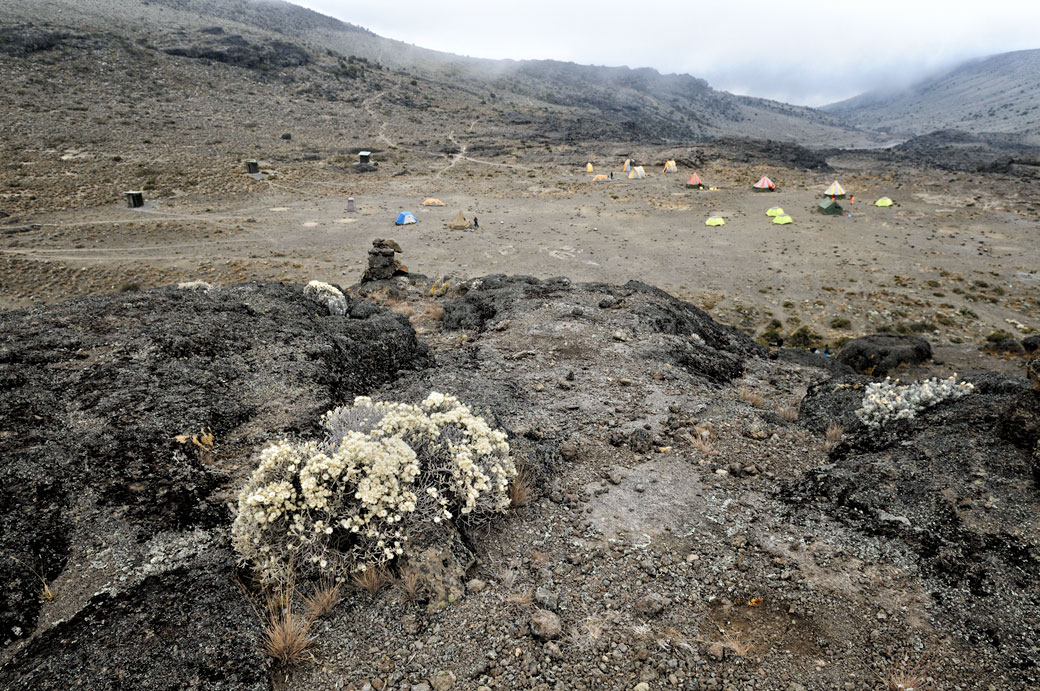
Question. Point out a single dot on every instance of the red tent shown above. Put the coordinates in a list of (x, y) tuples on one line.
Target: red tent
[(695, 181)]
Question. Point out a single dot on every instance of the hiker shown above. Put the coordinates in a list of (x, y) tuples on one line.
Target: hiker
[(475, 224), (611, 175)]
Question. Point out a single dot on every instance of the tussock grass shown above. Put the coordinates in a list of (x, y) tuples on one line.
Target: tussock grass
[(521, 489), (372, 579), (749, 396), (287, 634)]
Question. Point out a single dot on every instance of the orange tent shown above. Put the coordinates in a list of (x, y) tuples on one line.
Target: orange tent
[(765, 185), (695, 181)]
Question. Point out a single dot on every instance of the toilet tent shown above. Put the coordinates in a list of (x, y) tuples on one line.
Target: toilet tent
[(628, 165)]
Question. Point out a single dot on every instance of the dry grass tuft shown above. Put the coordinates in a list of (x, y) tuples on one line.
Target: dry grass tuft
[(286, 634), (521, 489), (372, 579), (833, 435), (751, 397), (904, 679), (434, 312), (45, 592), (788, 413), (521, 597), (410, 585), (323, 600)]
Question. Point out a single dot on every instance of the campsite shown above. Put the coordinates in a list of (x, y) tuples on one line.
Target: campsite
[(329, 360)]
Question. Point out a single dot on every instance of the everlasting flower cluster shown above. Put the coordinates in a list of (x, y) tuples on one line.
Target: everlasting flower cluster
[(889, 400), (328, 295), (385, 473)]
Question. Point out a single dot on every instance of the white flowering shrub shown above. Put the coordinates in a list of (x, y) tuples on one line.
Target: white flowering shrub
[(328, 295), (195, 285), (385, 473), (889, 400)]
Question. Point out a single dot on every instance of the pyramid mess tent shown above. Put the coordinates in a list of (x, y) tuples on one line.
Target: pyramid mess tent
[(884, 201), (404, 218), (459, 222), (628, 165), (695, 182), (589, 168), (715, 221), (430, 201), (829, 207), (600, 177), (764, 185), (637, 173), (782, 220), (669, 167), (835, 191), (775, 211)]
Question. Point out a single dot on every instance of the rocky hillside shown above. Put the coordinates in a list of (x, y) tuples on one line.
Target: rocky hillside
[(699, 512), (996, 94), (507, 97)]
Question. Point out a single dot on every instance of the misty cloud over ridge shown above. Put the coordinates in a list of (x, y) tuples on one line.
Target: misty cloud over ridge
[(806, 53)]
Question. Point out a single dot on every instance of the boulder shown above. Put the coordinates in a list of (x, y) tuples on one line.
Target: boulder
[(1030, 344), (879, 354)]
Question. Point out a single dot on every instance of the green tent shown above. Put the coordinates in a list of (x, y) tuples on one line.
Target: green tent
[(775, 211), (782, 220), (884, 201), (829, 207), (715, 221)]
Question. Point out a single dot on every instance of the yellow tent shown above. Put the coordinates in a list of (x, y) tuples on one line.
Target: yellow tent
[(715, 221), (775, 211), (669, 167), (628, 165), (884, 201), (782, 220), (588, 167), (430, 201), (637, 173), (836, 191), (459, 222), (600, 178)]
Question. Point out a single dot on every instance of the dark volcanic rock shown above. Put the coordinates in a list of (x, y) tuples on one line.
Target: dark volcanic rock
[(879, 354), (93, 393), (805, 358), (1031, 343), (949, 491), (236, 50)]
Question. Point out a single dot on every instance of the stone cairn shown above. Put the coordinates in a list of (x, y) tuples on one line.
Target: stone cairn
[(381, 262)]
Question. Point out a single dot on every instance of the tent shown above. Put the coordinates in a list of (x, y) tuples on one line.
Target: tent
[(637, 173), (589, 168), (459, 222), (669, 167), (628, 165), (829, 207), (695, 182), (765, 185), (430, 201), (782, 220), (600, 178), (884, 201), (715, 221), (775, 211), (835, 191), (404, 218)]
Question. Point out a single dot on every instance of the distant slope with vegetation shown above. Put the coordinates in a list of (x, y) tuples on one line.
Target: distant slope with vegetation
[(995, 94)]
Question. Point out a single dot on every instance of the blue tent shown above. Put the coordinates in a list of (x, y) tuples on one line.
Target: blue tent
[(404, 218)]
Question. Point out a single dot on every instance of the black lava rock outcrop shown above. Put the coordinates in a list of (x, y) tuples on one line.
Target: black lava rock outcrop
[(879, 354), (95, 487)]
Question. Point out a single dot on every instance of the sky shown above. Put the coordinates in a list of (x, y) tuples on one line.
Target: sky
[(805, 53)]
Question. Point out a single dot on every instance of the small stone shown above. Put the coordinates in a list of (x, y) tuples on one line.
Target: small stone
[(607, 302), (545, 625), (421, 686), (717, 651), (442, 681), (616, 476), (642, 686), (620, 336), (651, 605), (474, 586), (544, 597)]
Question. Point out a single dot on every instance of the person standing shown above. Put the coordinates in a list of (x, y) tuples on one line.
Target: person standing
[(475, 224)]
